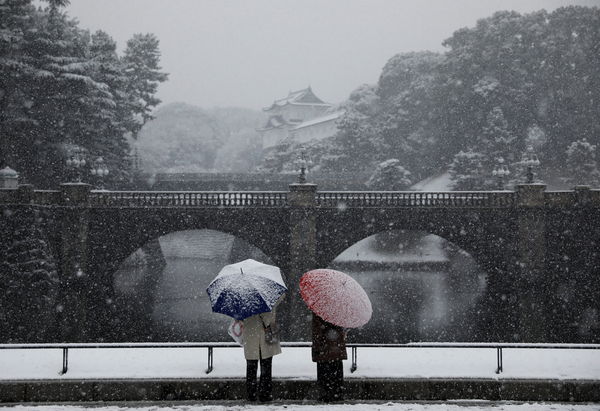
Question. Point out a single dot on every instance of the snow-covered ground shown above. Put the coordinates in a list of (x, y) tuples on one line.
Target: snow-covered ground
[(429, 249), (440, 182), (296, 363), (388, 406)]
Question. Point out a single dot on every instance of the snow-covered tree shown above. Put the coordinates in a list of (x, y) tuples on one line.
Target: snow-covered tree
[(390, 175), (181, 138), (467, 170), (582, 166), (28, 279), (112, 121), (356, 138), (141, 59), (17, 27), (496, 139), (53, 95)]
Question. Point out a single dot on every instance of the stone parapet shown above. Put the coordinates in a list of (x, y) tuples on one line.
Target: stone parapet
[(530, 195), (364, 389), (75, 194), (302, 195)]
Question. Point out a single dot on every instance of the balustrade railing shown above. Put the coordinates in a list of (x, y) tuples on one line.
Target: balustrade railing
[(324, 199), (337, 199), (187, 199)]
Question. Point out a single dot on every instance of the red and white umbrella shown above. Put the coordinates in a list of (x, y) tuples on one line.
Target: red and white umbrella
[(336, 297)]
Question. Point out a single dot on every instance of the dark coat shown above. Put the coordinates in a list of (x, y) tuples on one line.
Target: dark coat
[(328, 341)]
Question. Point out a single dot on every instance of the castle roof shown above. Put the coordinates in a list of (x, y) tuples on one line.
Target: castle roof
[(277, 121), (300, 97), (319, 120)]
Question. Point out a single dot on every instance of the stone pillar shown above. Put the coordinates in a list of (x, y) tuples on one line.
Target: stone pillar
[(582, 195), (303, 240), (25, 194), (73, 261), (583, 260), (9, 178), (531, 260)]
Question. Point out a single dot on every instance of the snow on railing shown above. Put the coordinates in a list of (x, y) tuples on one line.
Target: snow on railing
[(324, 199), (337, 199), (188, 199), (65, 347)]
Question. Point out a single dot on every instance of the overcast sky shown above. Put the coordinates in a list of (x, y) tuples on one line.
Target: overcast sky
[(247, 53)]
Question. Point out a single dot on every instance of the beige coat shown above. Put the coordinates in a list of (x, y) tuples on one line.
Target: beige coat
[(255, 346)]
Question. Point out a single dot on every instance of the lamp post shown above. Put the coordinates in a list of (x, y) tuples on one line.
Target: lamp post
[(500, 172), (530, 160), (76, 162), (99, 170), (303, 164)]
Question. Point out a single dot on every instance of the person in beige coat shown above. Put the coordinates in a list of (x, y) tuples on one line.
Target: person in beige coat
[(257, 349)]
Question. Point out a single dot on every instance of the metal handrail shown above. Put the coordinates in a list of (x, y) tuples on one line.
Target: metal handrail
[(354, 348)]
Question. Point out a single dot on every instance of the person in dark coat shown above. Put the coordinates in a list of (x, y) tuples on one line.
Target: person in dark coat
[(328, 351)]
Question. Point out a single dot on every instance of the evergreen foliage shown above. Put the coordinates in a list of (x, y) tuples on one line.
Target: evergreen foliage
[(28, 279), (390, 176), (141, 60), (479, 102), (62, 88), (467, 170), (582, 164), (181, 138)]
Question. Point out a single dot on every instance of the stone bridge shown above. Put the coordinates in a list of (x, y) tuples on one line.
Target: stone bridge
[(538, 247)]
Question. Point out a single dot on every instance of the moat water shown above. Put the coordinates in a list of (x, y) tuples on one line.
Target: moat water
[(428, 292)]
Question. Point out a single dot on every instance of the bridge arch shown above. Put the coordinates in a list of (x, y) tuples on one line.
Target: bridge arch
[(116, 234), (160, 290), (475, 231), (491, 246), (422, 287), (526, 237)]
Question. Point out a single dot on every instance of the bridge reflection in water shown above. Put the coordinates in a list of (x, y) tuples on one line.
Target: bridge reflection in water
[(422, 287)]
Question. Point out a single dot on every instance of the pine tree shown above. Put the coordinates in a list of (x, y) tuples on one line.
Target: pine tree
[(496, 145), (16, 26), (142, 69), (496, 139), (467, 170), (389, 175), (357, 139), (581, 163), (111, 123), (63, 97), (28, 279)]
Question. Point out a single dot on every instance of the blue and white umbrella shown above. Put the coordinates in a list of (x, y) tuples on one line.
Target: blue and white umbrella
[(244, 289)]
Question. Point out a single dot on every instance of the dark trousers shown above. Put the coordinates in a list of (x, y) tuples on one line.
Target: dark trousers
[(330, 376), (263, 390)]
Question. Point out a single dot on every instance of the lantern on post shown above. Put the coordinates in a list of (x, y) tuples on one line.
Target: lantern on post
[(500, 172), (76, 162), (530, 160), (99, 170)]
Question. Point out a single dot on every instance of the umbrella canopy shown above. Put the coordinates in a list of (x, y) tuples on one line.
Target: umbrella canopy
[(336, 297), (244, 289)]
